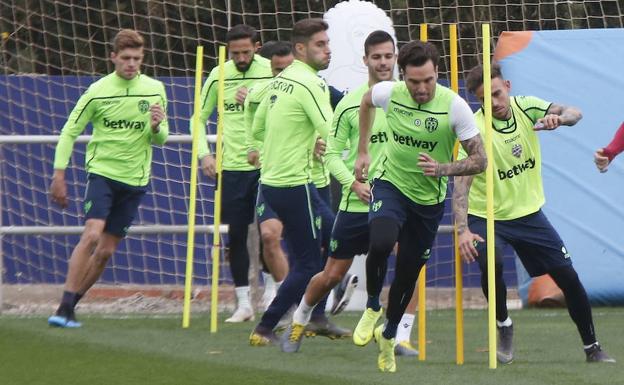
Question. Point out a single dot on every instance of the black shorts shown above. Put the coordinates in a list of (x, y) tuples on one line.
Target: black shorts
[(418, 223), (534, 239), (264, 212), (238, 196), (115, 202), (350, 235)]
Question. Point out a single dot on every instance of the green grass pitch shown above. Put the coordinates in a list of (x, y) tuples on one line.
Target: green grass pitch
[(133, 350)]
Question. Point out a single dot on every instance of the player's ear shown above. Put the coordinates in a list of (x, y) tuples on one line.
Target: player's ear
[(507, 84), (299, 48), (257, 46)]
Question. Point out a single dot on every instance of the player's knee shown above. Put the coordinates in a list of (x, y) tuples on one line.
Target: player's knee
[(90, 237), (270, 238), (565, 277), (383, 235), (332, 278), (381, 246)]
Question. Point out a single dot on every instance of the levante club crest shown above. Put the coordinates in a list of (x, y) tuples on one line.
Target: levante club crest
[(143, 106), (516, 150)]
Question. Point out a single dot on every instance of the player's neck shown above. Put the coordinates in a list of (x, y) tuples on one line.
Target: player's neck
[(122, 78), (308, 65)]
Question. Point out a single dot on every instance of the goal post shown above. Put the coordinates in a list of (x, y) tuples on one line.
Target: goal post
[(49, 232)]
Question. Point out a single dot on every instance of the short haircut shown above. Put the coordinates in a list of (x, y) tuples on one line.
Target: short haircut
[(127, 38), (304, 29), (275, 48), (377, 37), (241, 31), (417, 53), (474, 79)]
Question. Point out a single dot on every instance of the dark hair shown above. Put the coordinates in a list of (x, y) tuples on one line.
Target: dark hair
[(127, 38), (417, 53), (275, 48), (474, 79), (241, 31), (377, 37), (304, 29)]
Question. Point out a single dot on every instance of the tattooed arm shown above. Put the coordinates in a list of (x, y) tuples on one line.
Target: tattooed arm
[(475, 163), (461, 187), (558, 115), (466, 238)]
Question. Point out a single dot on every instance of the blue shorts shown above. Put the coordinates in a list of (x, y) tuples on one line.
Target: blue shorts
[(350, 235), (263, 210), (238, 196), (115, 202), (322, 203), (418, 223), (325, 194), (320, 200), (534, 239)]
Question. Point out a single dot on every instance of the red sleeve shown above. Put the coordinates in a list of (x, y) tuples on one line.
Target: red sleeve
[(617, 144)]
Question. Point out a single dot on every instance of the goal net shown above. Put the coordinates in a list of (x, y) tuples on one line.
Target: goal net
[(51, 51)]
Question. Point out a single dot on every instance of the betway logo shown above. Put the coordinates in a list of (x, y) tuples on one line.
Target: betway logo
[(123, 124), (234, 107), (517, 169), (410, 141), (380, 137)]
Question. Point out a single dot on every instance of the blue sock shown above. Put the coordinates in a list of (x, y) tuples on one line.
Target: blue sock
[(390, 330), (373, 302)]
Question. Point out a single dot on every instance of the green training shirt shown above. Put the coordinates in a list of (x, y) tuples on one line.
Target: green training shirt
[(414, 128), (118, 109), (293, 113), (517, 162), (252, 101), (345, 135), (320, 173), (234, 137)]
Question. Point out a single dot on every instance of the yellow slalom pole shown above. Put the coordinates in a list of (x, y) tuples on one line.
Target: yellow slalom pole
[(422, 278), (459, 283), (190, 236), (216, 235), (489, 194)]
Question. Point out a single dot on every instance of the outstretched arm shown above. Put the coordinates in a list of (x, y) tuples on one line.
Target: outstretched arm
[(558, 115), (604, 156)]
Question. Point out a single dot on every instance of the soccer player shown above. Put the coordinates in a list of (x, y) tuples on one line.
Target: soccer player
[(350, 231), (294, 112), (280, 54), (127, 111), (407, 196), (518, 198), (604, 156), (275, 264), (240, 179)]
